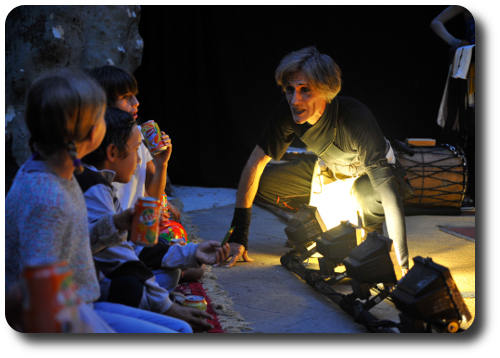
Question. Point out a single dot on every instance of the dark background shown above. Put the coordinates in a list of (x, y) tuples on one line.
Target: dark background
[(207, 74)]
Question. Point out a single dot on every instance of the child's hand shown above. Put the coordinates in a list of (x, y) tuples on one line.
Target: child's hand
[(175, 211), (210, 252), (164, 217), (193, 316), (123, 220), (163, 157)]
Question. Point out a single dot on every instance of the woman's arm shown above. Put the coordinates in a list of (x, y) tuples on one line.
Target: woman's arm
[(247, 189), (250, 178), (385, 184), (438, 25)]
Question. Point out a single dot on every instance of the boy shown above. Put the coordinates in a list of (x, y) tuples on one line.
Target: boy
[(124, 277), (151, 175)]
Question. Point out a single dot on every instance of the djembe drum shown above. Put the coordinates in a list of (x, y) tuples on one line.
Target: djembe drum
[(437, 174)]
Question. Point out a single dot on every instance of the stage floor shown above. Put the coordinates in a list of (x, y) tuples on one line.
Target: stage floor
[(276, 300)]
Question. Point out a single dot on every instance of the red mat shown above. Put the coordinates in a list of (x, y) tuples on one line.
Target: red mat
[(196, 288), (468, 233)]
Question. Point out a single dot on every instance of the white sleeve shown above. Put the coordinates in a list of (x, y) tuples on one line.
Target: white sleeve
[(146, 154)]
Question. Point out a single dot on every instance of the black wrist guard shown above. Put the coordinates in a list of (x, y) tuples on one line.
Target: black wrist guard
[(241, 224)]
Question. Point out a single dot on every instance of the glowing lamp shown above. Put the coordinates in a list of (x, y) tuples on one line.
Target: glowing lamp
[(428, 298), (370, 262), (333, 199), (305, 225)]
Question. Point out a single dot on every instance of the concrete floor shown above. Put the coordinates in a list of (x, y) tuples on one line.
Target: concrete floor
[(276, 300)]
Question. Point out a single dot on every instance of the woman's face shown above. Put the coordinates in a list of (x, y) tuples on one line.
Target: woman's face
[(306, 103)]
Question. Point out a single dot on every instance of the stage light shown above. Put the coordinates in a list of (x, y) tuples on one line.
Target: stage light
[(335, 245), (428, 299), (304, 227), (369, 264)]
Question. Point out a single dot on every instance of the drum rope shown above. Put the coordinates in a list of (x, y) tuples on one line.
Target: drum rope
[(436, 170)]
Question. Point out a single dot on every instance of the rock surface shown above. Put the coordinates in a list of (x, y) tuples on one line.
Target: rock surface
[(39, 39)]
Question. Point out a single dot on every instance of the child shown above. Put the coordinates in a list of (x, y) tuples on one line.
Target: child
[(116, 160), (150, 178), (65, 117)]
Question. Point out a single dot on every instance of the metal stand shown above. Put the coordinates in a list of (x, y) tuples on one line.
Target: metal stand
[(349, 303)]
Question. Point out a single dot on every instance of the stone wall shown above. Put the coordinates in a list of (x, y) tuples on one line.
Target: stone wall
[(39, 39)]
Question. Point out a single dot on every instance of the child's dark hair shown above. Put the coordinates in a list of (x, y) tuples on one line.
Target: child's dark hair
[(115, 81), (119, 125), (61, 109)]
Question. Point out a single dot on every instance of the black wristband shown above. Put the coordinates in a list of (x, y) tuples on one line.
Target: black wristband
[(241, 224)]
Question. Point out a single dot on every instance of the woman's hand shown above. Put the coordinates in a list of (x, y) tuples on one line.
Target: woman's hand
[(236, 251), (211, 253)]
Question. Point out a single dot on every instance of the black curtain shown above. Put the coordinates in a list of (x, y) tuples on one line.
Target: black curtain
[(207, 74)]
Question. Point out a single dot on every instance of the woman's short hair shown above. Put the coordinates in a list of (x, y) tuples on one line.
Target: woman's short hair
[(61, 108), (115, 81), (321, 71), (119, 126)]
